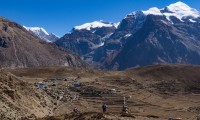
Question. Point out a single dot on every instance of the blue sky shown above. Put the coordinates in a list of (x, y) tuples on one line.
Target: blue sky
[(59, 16)]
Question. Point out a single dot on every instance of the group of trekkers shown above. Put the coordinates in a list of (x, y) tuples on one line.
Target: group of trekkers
[(104, 108)]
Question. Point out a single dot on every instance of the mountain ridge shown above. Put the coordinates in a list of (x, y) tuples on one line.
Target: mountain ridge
[(173, 23), (19, 48)]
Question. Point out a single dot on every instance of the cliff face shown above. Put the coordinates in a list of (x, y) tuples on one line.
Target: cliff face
[(159, 41)]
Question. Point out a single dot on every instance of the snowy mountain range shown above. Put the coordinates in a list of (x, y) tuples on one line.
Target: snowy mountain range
[(42, 34), (167, 35)]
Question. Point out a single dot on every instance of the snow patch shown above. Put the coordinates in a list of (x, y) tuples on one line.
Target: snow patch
[(191, 20), (127, 35), (164, 22), (98, 45), (107, 36)]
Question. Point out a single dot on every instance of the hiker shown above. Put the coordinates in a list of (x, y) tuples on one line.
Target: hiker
[(104, 107), (125, 109), (75, 110)]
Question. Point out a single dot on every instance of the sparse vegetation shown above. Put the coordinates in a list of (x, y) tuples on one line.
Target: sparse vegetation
[(153, 92)]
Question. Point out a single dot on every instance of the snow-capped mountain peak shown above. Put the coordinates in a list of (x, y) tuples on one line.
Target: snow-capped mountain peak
[(178, 6), (153, 11), (37, 30), (42, 34), (180, 10), (95, 24)]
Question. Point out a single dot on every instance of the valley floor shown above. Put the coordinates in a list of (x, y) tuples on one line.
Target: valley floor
[(156, 92)]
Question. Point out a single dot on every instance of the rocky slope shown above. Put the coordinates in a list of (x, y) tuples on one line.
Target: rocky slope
[(20, 101), (168, 35), (86, 38), (19, 48)]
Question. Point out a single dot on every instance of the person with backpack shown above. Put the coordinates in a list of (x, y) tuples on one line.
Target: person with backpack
[(75, 110), (104, 107)]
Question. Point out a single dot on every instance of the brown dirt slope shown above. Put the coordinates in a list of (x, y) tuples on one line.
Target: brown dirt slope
[(20, 48), (169, 78), (19, 101)]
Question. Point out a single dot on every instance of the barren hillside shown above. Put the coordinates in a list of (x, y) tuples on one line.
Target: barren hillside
[(20, 101), (19, 48)]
